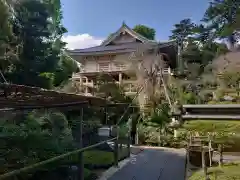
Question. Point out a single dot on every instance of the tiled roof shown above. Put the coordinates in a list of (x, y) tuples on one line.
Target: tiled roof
[(105, 47), (128, 47), (110, 47)]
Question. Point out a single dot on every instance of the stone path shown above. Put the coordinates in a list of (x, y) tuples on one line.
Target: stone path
[(154, 164)]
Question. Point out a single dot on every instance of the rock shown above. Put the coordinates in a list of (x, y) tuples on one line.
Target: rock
[(228, 98)]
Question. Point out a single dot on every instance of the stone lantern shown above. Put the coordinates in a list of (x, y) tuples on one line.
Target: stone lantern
[(176, 116)]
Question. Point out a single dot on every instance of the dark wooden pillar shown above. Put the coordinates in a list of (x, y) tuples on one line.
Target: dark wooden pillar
[(80, 140)]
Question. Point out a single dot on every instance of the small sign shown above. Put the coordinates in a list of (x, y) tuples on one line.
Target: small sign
[(104, 131)]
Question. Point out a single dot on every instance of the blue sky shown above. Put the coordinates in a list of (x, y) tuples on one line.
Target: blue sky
[(93, 20)]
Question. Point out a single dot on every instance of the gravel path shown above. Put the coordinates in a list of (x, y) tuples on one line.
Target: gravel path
[(154, 164)]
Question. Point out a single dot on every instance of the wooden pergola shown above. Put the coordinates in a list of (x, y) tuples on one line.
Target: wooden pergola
[(24, 97)]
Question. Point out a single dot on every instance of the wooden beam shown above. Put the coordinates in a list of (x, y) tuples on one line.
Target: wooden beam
[(210, 106), (210, 117)]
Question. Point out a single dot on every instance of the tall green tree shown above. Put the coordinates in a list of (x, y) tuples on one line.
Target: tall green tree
[(57, 28), (222, 16), (181, 33), (182, 29), (198, 48), (145, 31), (38, 58), (7, 47), (39, 30), (192, 52), (66, 65)]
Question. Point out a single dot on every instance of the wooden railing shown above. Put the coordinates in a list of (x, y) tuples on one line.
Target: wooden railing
[(114, 68), (211, 111), (114, 137), (104, 68)]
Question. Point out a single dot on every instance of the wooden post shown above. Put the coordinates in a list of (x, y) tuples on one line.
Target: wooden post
[(136, 137), (204, 167), (128, 144), (80, 155), (129, 137), (188, 152), (210, 150), (220, 150), (116, 149), (120, 78), (190, 140), (106, 114)]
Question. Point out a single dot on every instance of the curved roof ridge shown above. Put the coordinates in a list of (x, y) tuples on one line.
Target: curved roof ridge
[(126, 28)]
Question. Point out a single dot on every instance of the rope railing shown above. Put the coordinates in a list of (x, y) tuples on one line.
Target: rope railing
[(84, 144)]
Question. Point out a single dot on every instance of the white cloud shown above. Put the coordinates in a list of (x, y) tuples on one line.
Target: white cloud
[(81, 41)]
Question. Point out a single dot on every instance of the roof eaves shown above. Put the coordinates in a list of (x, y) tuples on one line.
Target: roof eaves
[(167, 43), (101, 52), (111, 37)]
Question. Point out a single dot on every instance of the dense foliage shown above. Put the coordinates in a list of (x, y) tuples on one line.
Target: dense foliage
[(32, 52), (145, 31), (209, 61), (107, 88), (36, 137), (205, 53)]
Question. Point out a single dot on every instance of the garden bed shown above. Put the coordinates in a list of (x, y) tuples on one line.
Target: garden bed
[(230, 129)]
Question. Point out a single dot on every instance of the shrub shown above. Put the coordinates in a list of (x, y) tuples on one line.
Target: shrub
[(189, 98), (36, 138), (123, 131)]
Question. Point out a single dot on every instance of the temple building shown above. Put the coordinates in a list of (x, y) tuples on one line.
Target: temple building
[(116, 55)]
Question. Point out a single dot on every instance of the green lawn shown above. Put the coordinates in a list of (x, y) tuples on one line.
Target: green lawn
[(228, 172), (212, 126), (97, 157)]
